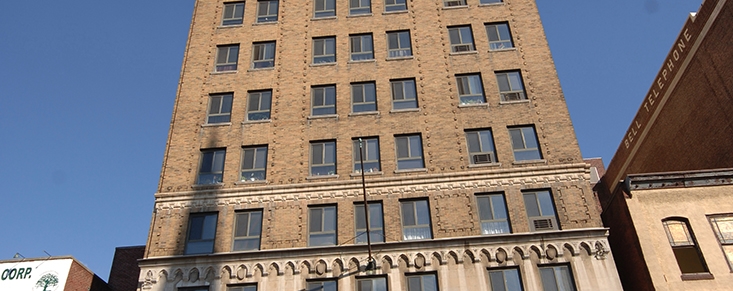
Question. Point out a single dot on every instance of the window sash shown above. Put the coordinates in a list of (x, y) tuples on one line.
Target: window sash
[(490, 1), (493, 214), (404, 94), (324, 50), (510, 86), (525, 144), (461, 39), (240, 288), (480, 142), (323, 101), (258, 107), (395, 5), (211, 170), (326, 285), (323, 158), (557, 278), (226, 58), (370, 155), (415, 220), (363, 97), (362, 47), (499, 36), (451, 3), (325, 8), (322, 226), (201, 233), (505, 280), (422, 282), (376, 223), (247, 231), (254, 164), (399, 44), (409, 152), (470, 89), (233, 13), (220, 108), (539, 204), (267, 11), (357, 7), (263, 55), (371, 284)]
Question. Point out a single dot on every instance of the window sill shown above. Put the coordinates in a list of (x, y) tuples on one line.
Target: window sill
[(411, 170), (245, 182), (473, 52), (473, 105), (334, 116), (216, 124), (357, 174), (514, 102), (697, 276), (490, 4), (264, 23), (486, 165), (394, 12), (261, 69), (400, 58), (455, 7), (322, 177), (404, 110), (324, 18), (364, 113), (323, 64), (256, 121), (503, 50), (530, 162), (362, 61), (224, 72), (229, 26), (207, 186), (359, 15)]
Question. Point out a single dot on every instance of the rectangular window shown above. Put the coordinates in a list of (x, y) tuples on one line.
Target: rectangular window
[(499, 36), (461, 39), (220, 108), (203, 288), (267, 11), (323, 158), (323, 100), (415, 220), (470, 89), (322, 226), (247, 230), (395, 5), (357, 7), (233, 13), (363, 97), (201, 233), (258, 107), (404, 94), (723, 228), (398, 44), (263, 55), (481, 146), (362, 47), (506, 280), (254, 163), (557, 278), (322, 285), (490, 1), (371, 284), (540, 210), (409, 152), (324, 50), (510, 86), (211, 170), (422, 282), (684, 245), (376, 223), (226, 57), (493, 214), (524, 143), (325, 8), (369, 154), (242, 288), (451, 3)]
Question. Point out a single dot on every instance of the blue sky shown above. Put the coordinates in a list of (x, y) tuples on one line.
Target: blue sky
[(87, 89)]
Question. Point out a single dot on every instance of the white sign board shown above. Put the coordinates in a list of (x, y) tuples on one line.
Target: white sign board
[(37, 275)]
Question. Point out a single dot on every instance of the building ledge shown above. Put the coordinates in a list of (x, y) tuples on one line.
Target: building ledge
[(683, 179), (697, 276)]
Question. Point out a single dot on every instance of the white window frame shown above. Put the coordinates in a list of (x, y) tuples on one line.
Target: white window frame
[(226, 58), (485, 153), (270, 8), (328, 158), (323, 227), (376, 225), (368, 101), (220, 106), (320, 100), (527, 134), (470, 89), (415, 229), (362, 47), (497, 41), (397, 45), (229, 14), (324, 50), (511, 86), (404, 94), (215, 173), (724, 234), (207, 232), (257, 171), (328, 10), (263, 55), (461, 39), (252, 230)]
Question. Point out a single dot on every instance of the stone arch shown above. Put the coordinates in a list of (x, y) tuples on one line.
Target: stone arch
[(307, 266), (485, 255), (387, 260), (404, 259), (242, 272), (439, 258), (570, 248), (522, 253), (162, 275), (535, 250), (261, 268), (177, 275), (321, 267), (420, 261), (469, 253), (209, 274), (226, 272), (337, 266), (456, 259), (291, 266), (552, 252), (588, 250), (275, 267)]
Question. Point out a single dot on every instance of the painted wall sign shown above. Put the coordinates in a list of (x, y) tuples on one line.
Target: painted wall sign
[(37, 275)]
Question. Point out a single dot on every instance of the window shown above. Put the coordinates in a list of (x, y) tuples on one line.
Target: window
[(267, 11), (233, 13), (524, 143), (258, 107), (422, 282), (201, 233), (376, 223), (362, 47), (540, 210), (461, 39), (322, 226), (404, 94), (203, 288), (398, 44), (247, 229), (324, 50), (451, 3), (490, 1), (369, 154), (363, 97), (409, 152), (226, 57), (557, 278), (211, 170), (371, 284), (242, 288), (330, 285), (220, 108), (324, 100), (357, 7), (499, 36), (323, 158), (510, 86), (470, 89), (723, 228), (493, 214), (263, 55), (480, 146), (325, 8), (395, 5), (682, 239), (505, 280), (254, 163), (415, 220)]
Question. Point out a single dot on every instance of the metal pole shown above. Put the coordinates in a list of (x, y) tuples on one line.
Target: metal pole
[(366, 206)]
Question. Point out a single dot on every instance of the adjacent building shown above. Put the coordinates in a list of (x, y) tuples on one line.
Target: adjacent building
[(667, 193), (452, 113), (62, 273)]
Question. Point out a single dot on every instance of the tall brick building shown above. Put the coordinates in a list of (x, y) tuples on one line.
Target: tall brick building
[(473, 174)]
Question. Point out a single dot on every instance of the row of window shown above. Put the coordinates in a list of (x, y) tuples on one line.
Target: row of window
[(362, 47), (415, 222), (557, 277), (267, 10), (408, 150), (684, 244)]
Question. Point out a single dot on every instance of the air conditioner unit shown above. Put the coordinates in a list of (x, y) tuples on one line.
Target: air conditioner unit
[(542, 223), (483, 158), (462, 48), (513, 96)]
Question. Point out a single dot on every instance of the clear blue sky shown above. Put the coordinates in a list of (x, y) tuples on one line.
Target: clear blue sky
[(87, 89)]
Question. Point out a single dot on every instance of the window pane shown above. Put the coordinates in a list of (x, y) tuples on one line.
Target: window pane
[(329, 219), (530, 202), (548, 279), (513, 283), (402, 148), (317, 154), (261, 158), (196, 228), (473, 142), (408, 214), (529, 137), (499, 208), (316, 216), (242, 225), (249, 156), (360, 217), (484, 208), (414, 284), (517, 140), (330, 153), (423, 214), (392, 39), (255, 223), (415, 147), (546, 204)]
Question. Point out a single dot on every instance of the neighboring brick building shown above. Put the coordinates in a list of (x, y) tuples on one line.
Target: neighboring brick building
[(49, 274), (473, 172), (666, 195), (124, 273)]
